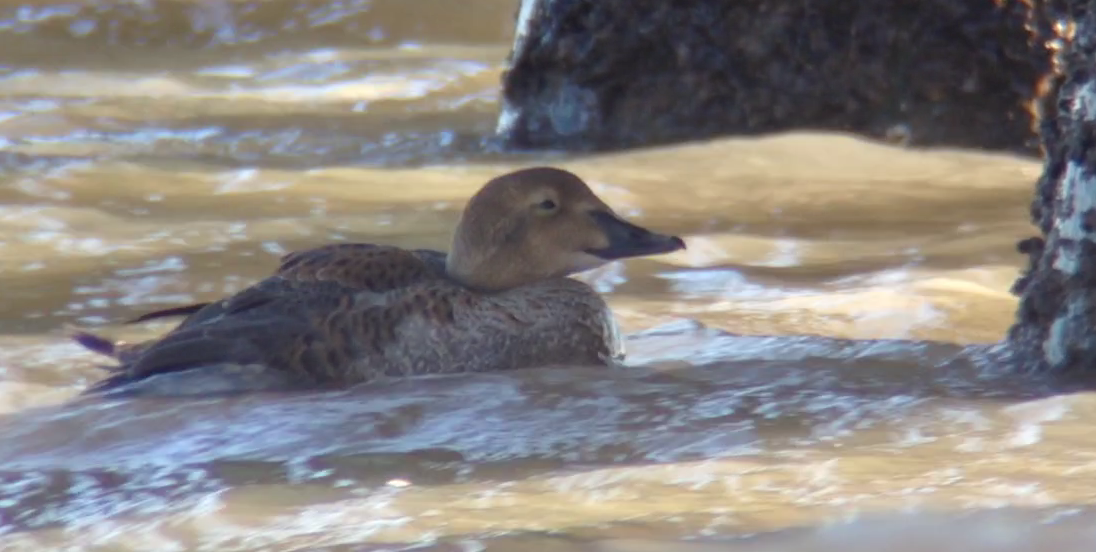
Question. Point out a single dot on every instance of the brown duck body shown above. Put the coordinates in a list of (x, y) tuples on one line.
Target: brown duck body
[(345, 314)]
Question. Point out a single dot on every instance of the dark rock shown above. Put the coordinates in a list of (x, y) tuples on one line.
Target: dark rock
[(607, 74), (1055, 328)]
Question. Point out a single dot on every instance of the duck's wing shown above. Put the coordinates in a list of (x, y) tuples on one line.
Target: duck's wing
[(306, 319), (185, 310), (275, 325), (364, 266)]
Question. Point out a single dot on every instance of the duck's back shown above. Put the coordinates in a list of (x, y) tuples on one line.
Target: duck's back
[(344, 314)]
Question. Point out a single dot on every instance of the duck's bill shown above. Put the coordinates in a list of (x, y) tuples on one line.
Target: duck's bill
[(628, 240)]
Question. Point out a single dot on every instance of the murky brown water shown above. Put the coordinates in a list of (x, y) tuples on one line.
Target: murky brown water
[(160, 152)]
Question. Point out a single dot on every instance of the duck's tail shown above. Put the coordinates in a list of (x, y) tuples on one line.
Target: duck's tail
[(121, 351), (95, 343)]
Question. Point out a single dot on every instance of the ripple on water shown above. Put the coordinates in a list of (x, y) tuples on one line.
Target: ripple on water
[(150, 180), (598, 441)]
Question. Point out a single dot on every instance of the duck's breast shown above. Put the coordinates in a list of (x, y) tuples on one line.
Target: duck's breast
[(444, 328)]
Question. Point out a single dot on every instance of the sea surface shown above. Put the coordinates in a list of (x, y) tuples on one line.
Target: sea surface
[(814, 373)]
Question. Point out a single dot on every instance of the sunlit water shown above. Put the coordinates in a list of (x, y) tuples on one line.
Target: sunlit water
[(155, 153)]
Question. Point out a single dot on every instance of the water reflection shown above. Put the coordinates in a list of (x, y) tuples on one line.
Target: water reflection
[(166, 152)]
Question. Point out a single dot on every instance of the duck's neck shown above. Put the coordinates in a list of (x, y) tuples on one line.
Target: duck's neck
[(475, 272)]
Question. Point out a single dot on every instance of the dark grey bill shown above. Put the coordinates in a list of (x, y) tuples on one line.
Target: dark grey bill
[(628, 240)]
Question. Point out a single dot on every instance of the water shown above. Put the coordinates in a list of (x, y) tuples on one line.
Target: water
[(161, 152)]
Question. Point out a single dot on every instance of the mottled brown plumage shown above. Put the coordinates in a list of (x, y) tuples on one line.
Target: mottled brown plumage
[(344, 314)]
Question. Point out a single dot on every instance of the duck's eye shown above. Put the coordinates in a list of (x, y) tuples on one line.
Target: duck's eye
[(547, 206)]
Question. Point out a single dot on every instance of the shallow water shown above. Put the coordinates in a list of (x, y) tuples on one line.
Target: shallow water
[(161, 152)]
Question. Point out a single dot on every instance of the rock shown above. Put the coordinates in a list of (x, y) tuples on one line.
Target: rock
[(609, 74), (1055, 328)]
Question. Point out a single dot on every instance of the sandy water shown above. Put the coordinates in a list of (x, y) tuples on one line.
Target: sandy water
[(162, 152)]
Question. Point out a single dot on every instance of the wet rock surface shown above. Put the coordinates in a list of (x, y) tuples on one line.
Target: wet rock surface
[(609, 74), (1057, 314)]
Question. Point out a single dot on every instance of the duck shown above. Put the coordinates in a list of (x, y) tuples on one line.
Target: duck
[(339, 315)]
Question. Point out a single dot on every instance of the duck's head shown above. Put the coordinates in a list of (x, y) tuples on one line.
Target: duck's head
[(540, 223)]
